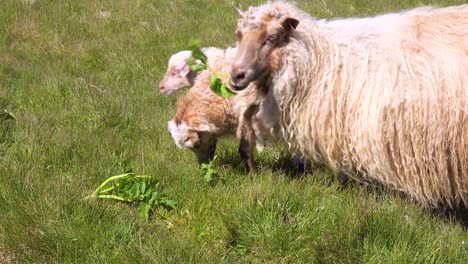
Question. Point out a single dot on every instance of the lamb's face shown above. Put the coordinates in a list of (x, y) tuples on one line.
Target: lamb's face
[(183, 135), (255, 46), (178, 74), (203, 143)]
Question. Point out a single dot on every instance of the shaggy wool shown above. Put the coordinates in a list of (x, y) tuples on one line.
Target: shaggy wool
[(380, 99)]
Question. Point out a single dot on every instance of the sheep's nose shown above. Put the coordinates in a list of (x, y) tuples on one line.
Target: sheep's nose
[(237, 73), (239, 76), (161, 87)]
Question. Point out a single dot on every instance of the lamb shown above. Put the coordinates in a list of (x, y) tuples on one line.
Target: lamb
[(202, 116), (179, 75), (199, 120), (381, 99)]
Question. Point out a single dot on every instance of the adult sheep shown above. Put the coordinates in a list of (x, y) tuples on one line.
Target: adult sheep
[(382, 99)]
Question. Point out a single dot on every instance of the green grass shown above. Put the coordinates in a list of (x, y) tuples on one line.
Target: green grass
[(81, 78)]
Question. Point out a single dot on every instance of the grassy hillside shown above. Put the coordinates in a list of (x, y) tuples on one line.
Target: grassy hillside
[(81, 78)]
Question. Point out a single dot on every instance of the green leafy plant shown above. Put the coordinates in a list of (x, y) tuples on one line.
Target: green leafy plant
[(199, 62), (139, 190), (210, 174)]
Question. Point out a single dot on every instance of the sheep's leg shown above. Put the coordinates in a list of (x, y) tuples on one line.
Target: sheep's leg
[(246, 150), (250, 149), (243, 142), (247, 138), (244, 153)]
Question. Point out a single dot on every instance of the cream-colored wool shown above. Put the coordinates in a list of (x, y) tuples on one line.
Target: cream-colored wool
[(382, 99)]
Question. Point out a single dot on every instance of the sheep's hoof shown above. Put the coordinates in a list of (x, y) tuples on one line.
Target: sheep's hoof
[(249, 166), (246, 159)]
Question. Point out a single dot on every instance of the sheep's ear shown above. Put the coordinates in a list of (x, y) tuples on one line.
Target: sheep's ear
[(290, 23), (185, 70), (241, 13), (202, 127)]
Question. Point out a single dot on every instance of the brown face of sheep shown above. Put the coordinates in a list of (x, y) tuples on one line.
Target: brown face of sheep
[(254, 49)]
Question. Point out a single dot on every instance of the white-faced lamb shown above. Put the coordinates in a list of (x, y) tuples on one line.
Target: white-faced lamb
[(179, 75), (381, 99)]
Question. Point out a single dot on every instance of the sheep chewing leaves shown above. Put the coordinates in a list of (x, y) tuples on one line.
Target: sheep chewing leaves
[(198, 63)]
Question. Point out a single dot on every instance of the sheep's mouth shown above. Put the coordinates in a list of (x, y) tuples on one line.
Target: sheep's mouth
[(236, 86), (205, 155), (167, 91)]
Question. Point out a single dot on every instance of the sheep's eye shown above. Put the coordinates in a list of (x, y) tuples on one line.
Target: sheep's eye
[(173, 73), (271, 39), (239, 35)]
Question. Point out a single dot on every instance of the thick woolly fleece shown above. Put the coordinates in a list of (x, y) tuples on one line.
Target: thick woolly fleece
[(380, 99)]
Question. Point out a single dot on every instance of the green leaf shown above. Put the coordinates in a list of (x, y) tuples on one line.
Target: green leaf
[(135, 190), (194, 44), (198, 67), (210, 175), (131, 188), (199, 55), (226, 92), (195, 47), (191, 61), (144, 210), (154, 197), (171, 204), (217, 86)]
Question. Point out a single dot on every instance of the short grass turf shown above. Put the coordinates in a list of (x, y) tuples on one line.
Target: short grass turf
[(81, 78)]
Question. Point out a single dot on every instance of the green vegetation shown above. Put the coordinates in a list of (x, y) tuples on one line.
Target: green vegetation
[(199, 63), (80, 79), (140, 190), (210, 174)]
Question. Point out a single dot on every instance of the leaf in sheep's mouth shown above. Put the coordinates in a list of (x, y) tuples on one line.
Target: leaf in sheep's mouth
[(197, 54), (199, 62), (218, 87)]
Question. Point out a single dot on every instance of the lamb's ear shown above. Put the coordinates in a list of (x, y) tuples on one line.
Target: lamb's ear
[(241, 13), (200, 126), (184, 69), (290, 23)]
